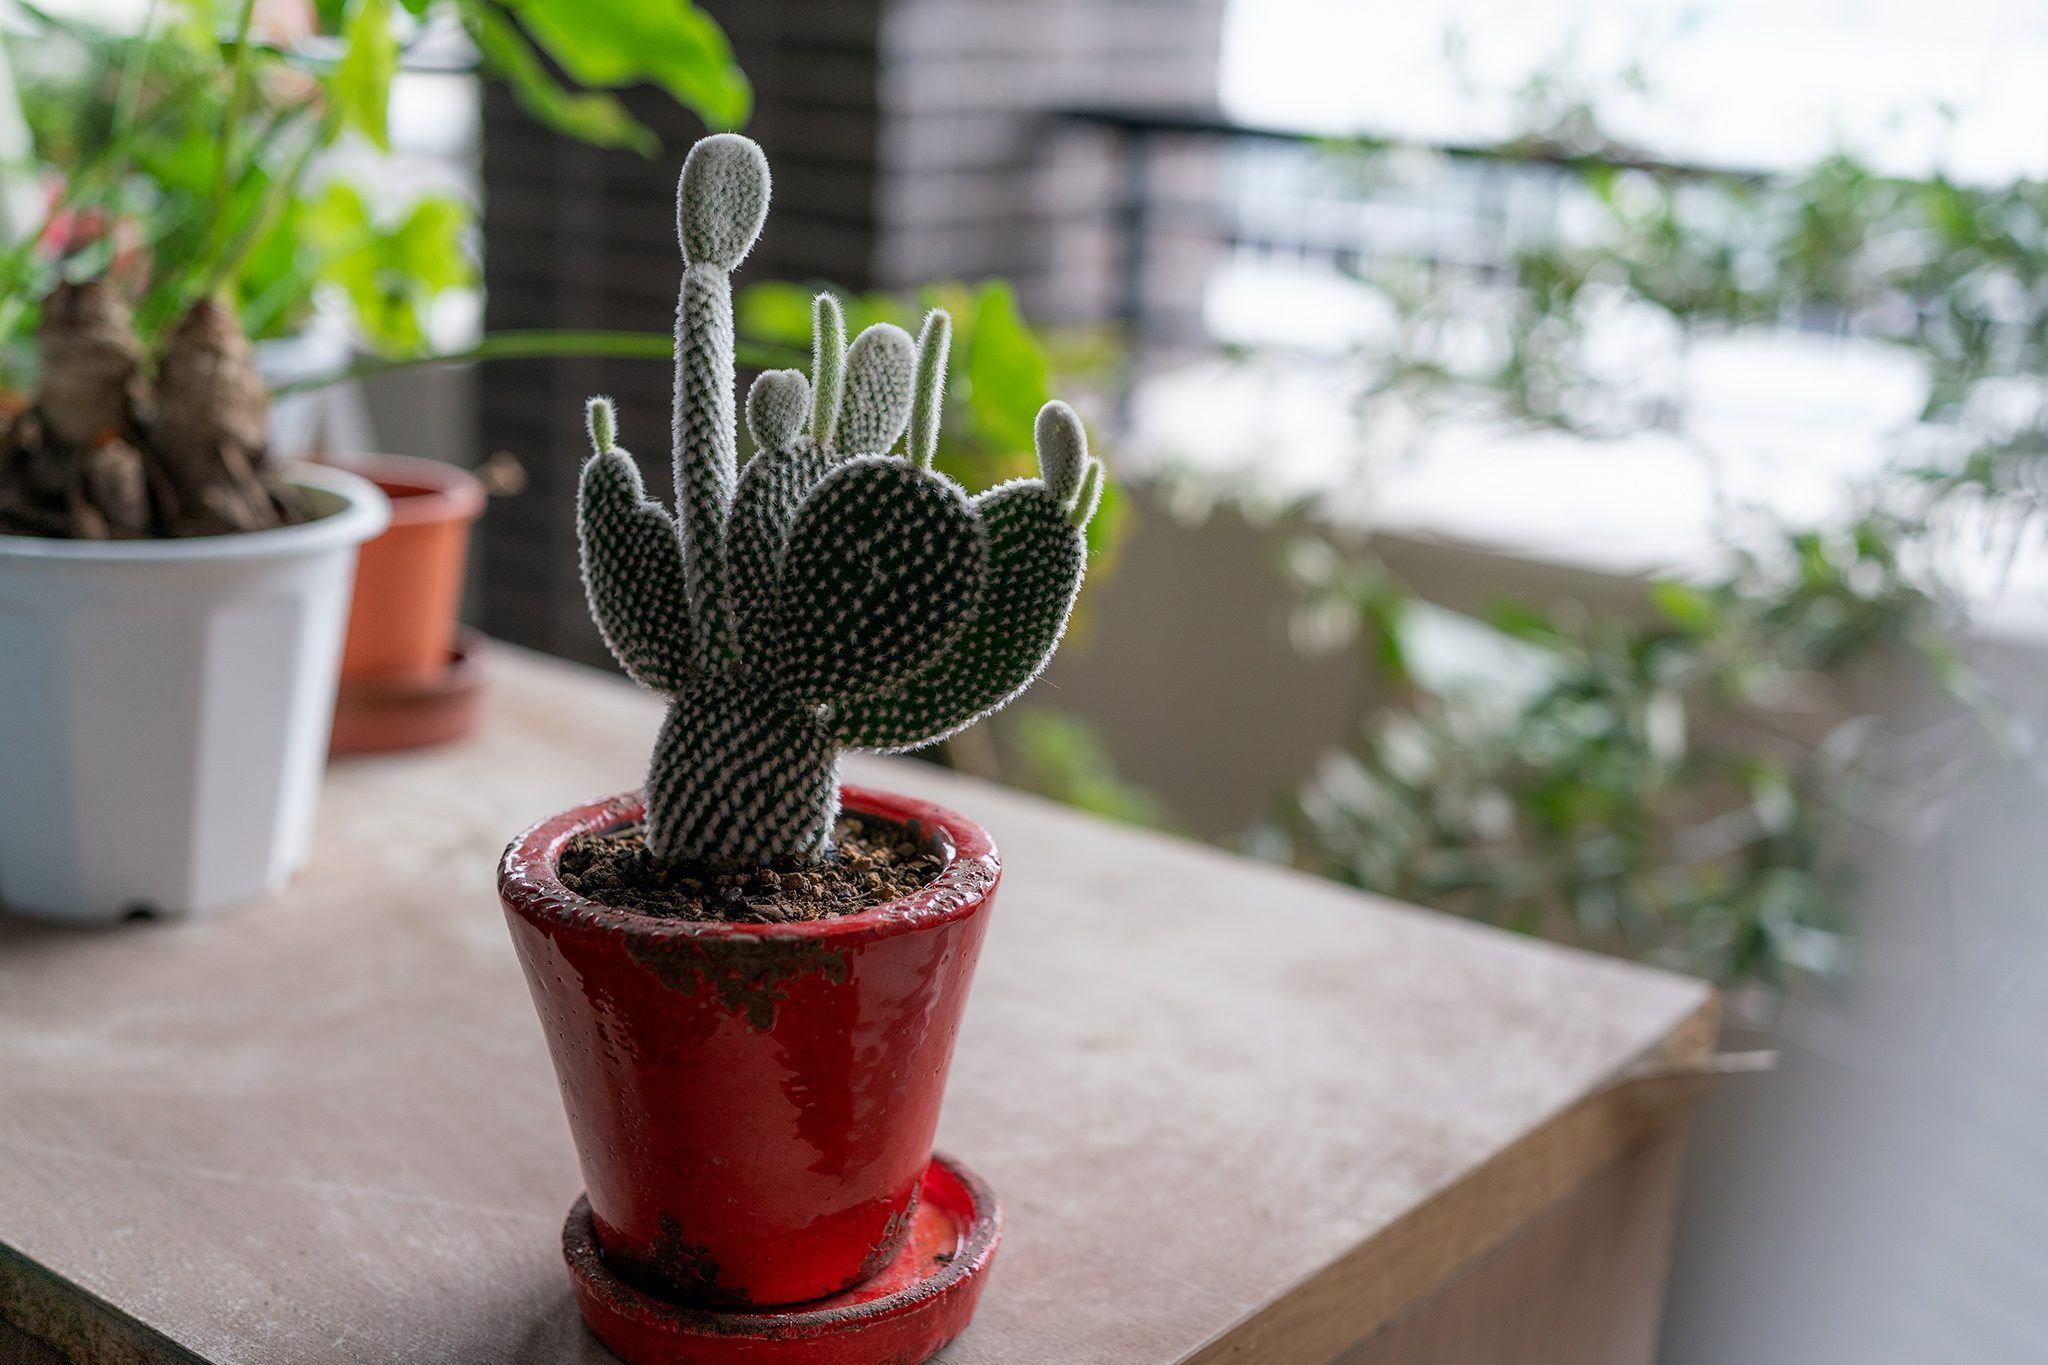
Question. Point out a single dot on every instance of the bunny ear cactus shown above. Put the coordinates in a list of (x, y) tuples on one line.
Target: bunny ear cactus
[(832, 595)]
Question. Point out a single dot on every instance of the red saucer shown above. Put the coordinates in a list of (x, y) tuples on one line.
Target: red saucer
[(906, 1314)]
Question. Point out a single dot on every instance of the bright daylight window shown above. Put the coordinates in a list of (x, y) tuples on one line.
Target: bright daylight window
[(1377, 278)]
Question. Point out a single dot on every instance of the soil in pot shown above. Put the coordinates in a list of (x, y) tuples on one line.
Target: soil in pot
[(872, 863)]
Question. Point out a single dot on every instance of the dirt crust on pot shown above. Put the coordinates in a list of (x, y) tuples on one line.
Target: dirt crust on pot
[(872, 863)]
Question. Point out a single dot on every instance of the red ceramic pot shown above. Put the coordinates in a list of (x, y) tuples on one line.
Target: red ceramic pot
[(753, 1105)]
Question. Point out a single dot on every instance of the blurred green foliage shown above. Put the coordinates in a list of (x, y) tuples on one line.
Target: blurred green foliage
[(1678, 782), (606, 45), (185, 158), (1062, 756), (391, 266), (1670, 785)]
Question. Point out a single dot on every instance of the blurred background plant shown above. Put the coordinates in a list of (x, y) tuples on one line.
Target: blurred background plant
[(1061, 756), (1678, 782), (188, 152)]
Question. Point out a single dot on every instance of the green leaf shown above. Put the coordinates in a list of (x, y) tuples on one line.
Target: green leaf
[(1063, 757), (427, 245), (613, 43), (1524, 622), (361, 83), (339, 210), (390, 275), (589, 117), (1008, 376), (1686, 607)]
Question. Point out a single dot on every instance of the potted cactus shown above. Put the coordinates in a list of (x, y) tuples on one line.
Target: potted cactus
[(752, 1056)]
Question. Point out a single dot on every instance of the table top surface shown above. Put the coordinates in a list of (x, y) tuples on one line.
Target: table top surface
[(325, 1128)]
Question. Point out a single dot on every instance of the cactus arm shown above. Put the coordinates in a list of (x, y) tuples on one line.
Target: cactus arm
[(704, 456), (1086, 498), (1062, 445), (1036, 561), (1038, 554), (929, 387), (771, 488), (883, 569), (632, 564), (828, 369), (880, 370), (720, 204)]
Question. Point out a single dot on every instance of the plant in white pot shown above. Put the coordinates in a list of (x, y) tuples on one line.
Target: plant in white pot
[(171, 613), (751, 976)]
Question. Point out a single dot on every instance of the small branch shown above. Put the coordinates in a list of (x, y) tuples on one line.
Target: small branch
[(227, 262), (134, 64), (523, 345), (238, 95)]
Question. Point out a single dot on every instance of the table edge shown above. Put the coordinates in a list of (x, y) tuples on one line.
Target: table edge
[(75, 1324), (1424, 1249)]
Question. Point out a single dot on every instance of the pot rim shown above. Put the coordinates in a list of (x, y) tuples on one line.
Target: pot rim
[(529, 884), (364, 512), (448, 492)]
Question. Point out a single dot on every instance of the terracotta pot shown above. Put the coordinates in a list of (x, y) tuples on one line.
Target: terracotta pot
[(753, 1105), (409, 580)]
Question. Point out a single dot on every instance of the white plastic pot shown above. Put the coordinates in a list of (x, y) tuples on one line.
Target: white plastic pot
[(165, 707)]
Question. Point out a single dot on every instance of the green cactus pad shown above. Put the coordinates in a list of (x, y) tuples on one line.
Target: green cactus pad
[(633, 562), (772, 487), (721, 200), (828, 369), (880, 369), (1035, 562), (929, 393), (882, 570), (776, 408), (1062, 449)]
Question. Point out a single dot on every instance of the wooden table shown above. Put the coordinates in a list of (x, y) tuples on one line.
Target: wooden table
[(1233, 1114)]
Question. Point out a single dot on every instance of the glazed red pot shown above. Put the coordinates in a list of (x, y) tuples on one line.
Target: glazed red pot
[(753, 1105)]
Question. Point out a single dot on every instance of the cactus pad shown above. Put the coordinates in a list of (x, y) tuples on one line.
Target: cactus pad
[(882, 570)]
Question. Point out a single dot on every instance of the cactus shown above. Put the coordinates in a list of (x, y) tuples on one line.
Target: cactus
[(832, 595)]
